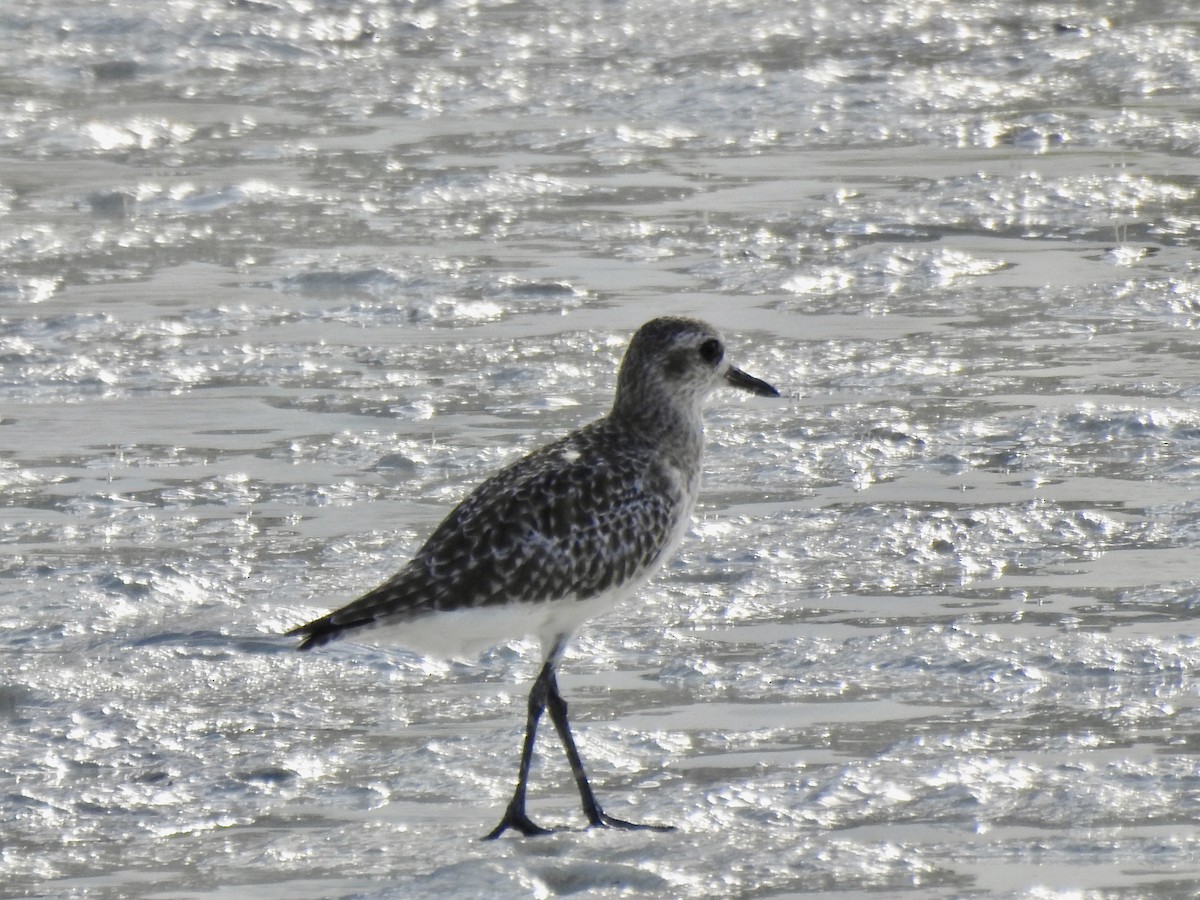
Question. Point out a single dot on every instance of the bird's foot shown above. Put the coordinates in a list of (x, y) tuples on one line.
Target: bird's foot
[(602, 819), (517, 820)]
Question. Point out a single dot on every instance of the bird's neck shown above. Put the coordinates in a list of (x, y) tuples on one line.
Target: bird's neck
[(675, 429)]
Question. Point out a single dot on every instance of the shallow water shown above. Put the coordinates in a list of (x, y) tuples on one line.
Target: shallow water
[(279, 282)]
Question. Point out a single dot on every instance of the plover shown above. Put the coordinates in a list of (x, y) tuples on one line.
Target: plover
[(561, 535)]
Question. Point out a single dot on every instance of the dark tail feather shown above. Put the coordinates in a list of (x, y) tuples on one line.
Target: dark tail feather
[(388, 602), (321, 631)]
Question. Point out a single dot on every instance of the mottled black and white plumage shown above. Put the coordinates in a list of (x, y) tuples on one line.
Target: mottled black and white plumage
[(563, 533)]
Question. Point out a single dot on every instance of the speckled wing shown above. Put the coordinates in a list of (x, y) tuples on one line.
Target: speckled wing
[(570, 521)]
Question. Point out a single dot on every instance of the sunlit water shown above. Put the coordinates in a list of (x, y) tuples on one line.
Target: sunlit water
[(280, 281)]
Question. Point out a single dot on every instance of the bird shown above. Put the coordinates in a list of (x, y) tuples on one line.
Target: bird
[(559, 536)]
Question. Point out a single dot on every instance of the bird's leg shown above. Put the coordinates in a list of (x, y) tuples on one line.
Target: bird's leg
[(596, 816), (514, 815)]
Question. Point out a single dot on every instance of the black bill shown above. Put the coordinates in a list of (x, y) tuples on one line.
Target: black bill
[(740, 379)]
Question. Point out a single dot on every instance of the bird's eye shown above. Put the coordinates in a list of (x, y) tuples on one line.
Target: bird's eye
[(711, 351)]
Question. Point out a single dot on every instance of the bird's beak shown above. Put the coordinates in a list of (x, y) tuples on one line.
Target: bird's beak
[(740, 379)]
